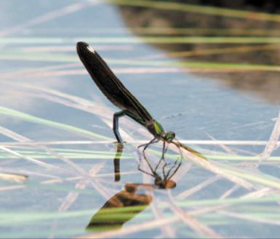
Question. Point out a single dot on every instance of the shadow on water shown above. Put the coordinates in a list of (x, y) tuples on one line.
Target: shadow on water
[(119, 209), (245, 41)]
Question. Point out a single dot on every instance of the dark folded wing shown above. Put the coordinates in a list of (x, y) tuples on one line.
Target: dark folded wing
[(110, 85)]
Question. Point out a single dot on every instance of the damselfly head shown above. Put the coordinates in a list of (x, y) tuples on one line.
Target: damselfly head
[(169, 136), (164, 184)]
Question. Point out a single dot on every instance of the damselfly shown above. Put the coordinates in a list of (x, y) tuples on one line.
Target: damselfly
[(121, 97)]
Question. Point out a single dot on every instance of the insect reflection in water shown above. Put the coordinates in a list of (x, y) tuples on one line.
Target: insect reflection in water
[(161, 180), (135, 197)]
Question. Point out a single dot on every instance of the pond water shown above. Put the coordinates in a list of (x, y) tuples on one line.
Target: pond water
[(210, 78)]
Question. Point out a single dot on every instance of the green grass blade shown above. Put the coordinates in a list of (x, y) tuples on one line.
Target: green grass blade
[(34, 119)]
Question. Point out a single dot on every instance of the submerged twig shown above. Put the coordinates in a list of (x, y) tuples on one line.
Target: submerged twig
[(30, 159), (21, 138), (272, 142), (167, 230), (229, 192), (195, 157), (250, 218), (198, 187), (192, 222), (224, 147), (82, 184), (18, 178)]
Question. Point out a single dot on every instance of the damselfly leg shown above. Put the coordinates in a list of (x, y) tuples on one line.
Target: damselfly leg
[(145, 146), (177, 163), (163, 181), (164, 149), (170, 170), (177, 144), (116, 126)]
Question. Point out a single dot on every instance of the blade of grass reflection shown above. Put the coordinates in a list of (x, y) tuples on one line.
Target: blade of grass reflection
[(141, 227), (34, 119), (104, 114), (63, 72), (224, 147), (71, 197), (229, 192), (100, 176), (241, 175), (206, 66), (73, 154), (241, 158), (34, 217), (18, 137), (261, 209), (189, 142), (105, 193), (228, 176), (137, 70), (131, 229), (60, 188), (217, 169), (167, 230), (69, 48), (36, 72), (216, 51), (155, 31), (200, 211), (212, 167), (43, 57), (203, 65), (272, 142), (105, 155), (13, 135), (207, 10), (10, 188), (98, 109), (71, 100), (77, 155), (199, 31), (69, 9), (87, 106), (75, 166), (202, 229), (32, 173), (197, 188), (35, 161), (260, 178), (251, 218), (12, 177), (259, 193), (123, 40)]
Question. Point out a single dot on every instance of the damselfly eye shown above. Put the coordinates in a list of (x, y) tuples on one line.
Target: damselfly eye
[(169, 136), (169, 184)]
